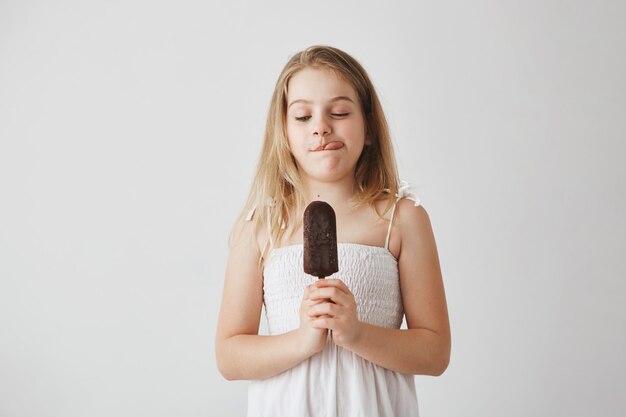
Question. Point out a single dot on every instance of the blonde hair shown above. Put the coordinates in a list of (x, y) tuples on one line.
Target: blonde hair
[(277, 182)]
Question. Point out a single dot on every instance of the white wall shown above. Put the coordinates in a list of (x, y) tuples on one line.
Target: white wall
[(129, 131)]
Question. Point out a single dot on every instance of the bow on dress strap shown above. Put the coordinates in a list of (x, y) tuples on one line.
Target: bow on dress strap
[(269, 203), (406, 190)]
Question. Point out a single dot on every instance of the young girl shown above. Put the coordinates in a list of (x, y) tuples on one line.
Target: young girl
[(335, 347)]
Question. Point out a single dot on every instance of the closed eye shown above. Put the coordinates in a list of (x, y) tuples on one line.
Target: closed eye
[(305, 118)]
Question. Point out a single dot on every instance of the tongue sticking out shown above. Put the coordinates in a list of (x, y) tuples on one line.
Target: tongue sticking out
[(333, 145)]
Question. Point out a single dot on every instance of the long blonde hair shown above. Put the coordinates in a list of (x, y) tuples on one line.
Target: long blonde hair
[(277, 183)]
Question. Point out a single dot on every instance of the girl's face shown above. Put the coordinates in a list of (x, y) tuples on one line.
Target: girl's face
[(325, 124)]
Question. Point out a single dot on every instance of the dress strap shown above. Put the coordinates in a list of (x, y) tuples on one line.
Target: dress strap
[(404, 191), (269, 228), (268, 207), (250, 214)]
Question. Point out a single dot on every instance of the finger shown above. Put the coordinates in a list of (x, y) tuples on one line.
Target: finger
[(332, 293), (332, 282), (310, 303), (323, 323), (328, 309), (318, 317), (307, 291)]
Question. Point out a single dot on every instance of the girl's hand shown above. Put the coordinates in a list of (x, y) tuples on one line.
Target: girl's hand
[(312, 339), (336, 311)]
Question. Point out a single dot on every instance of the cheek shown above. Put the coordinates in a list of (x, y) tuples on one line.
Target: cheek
[(356, 133), (292, 133), (356, 126), (295, 146), (296, 137)]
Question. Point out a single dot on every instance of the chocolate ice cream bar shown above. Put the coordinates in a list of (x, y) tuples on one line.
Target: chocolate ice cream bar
[(320, 240)]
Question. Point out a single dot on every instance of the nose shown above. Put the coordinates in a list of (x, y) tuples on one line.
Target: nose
[(321, 127)]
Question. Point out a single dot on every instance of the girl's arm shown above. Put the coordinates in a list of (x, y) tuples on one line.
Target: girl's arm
[(240, 352), (423, 348)]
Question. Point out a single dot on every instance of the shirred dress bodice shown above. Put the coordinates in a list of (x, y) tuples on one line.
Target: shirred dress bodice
[(369, 271)]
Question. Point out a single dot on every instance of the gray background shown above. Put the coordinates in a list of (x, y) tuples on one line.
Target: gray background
[(129, 131)]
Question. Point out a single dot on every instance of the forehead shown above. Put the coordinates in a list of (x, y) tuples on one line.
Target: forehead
[(318, 85)]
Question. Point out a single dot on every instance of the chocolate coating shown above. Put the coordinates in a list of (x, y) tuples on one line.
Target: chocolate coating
[(320, 240)]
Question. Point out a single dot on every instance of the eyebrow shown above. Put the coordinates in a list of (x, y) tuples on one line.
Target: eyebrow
[(332, 100)]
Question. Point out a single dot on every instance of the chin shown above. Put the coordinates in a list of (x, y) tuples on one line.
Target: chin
[(329, 171), (329, 176)]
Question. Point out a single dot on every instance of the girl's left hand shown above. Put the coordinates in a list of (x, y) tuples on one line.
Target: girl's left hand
[(337, 313)]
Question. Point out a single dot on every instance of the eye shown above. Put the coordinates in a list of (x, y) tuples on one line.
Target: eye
[(340, 114), (303, 118)]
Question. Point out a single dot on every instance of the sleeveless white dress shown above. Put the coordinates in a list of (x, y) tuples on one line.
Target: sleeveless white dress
[(335, 382)]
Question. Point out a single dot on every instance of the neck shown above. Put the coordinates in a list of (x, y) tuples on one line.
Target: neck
[(339, 194)]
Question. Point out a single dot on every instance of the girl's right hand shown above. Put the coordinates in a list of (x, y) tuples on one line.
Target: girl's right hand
[(312, 340)]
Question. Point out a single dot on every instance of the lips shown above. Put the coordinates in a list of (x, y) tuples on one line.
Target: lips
[(330, 146)]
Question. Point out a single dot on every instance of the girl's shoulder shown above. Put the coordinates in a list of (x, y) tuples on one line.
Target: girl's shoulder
[(414, 229), (410, 213), (244, 231), (407, 217), (257, 232)]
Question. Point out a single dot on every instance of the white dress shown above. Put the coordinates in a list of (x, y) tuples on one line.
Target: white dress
[(335, 382)]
